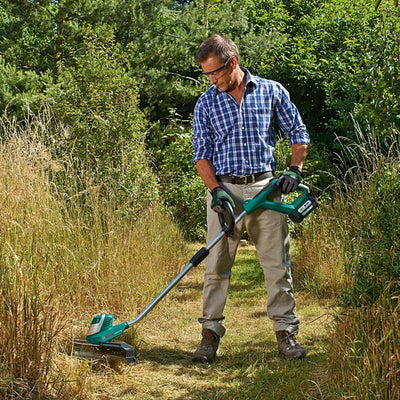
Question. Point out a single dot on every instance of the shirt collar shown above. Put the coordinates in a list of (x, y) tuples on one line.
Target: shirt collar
[(249, 80)]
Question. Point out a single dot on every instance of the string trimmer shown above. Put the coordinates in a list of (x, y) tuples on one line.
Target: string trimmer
[(98, 344)]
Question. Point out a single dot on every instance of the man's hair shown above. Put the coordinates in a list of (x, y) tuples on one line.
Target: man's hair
[(221, 46)]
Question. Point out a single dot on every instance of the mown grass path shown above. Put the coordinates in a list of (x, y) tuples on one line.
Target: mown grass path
[(248, 366)]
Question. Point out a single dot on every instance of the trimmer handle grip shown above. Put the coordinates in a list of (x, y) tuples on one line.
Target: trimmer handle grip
[(227, 218), (271, 187), (303, 189)]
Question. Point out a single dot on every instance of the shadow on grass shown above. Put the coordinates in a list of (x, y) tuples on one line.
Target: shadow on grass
[(249, 370)]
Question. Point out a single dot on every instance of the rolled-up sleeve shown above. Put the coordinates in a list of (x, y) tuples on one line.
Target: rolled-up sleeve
[(202, 140), (289, 118)]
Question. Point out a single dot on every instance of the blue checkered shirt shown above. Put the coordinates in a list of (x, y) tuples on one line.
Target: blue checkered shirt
[(240, 140)]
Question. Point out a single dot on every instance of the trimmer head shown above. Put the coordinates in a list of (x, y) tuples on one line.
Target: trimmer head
[(109, 351), (98, 345)]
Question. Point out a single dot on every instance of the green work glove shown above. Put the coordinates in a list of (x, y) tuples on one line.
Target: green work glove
[(289, 180), (218, 196)]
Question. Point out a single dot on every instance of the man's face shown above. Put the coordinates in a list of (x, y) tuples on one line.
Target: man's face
[(219, 74)]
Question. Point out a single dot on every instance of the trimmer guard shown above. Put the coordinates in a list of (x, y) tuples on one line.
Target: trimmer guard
[(108, 351)]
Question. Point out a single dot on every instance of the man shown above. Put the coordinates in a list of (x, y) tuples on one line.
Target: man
[(234, 140)]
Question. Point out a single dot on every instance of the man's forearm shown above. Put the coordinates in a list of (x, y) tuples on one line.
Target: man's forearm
[(299, 153), (206, 172)]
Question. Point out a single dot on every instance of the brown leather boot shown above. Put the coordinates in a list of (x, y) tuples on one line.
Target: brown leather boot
[(288, 346), (207, 350)]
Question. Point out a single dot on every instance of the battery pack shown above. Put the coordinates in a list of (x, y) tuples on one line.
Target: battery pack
[(310, 205)]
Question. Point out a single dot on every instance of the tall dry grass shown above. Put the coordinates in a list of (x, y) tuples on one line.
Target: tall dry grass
[(64, 260), (322, 255), (349, 250), (367, 345)]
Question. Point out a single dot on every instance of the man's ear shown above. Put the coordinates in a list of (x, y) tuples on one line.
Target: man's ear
[(234, 63)]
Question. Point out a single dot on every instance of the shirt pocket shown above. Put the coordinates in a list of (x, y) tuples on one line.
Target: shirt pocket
[(260, 119)]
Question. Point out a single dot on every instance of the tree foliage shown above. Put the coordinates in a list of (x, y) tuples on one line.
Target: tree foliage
[(21, 90), (322, 51), (325, 59), (338, 59)]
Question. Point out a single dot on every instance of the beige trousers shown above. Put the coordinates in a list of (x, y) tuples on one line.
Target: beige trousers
[(269, 232)]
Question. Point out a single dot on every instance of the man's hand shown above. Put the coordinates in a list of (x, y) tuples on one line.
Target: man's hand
[(218, 196), (289, 180)]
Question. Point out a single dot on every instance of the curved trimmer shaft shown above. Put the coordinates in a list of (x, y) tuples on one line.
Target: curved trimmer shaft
[(102, 330), (259, 201)]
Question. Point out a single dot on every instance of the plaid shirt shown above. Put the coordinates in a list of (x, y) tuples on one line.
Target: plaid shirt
[(240, 140)]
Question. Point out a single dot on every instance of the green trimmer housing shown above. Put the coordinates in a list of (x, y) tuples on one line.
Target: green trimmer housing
[(297, 210)]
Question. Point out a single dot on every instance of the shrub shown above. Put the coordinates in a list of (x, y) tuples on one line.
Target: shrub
[(183, 191), (350, 250), (98, 102), (373, 261)]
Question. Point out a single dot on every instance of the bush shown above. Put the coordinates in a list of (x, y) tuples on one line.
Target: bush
[(376, 243), (182, 190), (362, 221), (350, 250), (98, 103)]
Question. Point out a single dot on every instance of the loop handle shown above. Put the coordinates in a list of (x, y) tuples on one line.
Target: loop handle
[(227, 218)]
